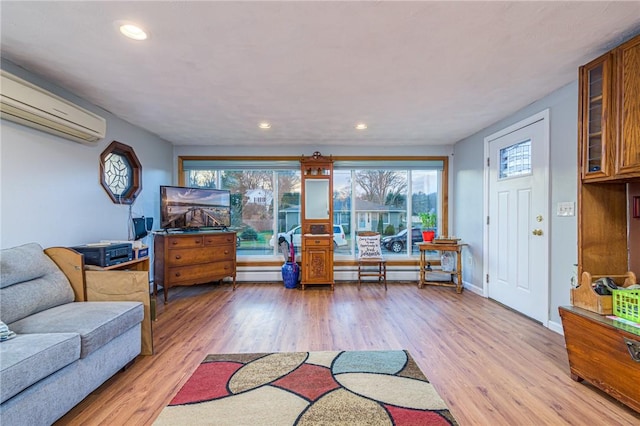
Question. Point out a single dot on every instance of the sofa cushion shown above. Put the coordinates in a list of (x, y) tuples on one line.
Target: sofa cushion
[(30, 282), (97, 322), (23, 263), (28, 358)]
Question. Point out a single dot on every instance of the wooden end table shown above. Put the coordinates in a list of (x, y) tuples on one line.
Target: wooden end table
[(455, 247)]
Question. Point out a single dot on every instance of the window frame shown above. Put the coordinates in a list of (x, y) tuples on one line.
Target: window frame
[(130, 195), (395, 161)]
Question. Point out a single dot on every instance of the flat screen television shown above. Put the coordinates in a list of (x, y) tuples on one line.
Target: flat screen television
[(194, 209)]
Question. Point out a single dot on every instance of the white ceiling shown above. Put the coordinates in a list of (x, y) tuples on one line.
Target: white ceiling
[(418, 73)]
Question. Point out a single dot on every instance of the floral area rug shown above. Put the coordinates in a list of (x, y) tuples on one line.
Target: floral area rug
[(308, 388)]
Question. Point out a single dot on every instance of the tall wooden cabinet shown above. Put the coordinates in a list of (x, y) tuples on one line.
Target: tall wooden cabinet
[(316, 218), (609, 158), (609, 178)]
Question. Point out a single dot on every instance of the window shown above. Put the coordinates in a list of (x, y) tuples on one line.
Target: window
[(385, 196), (120, 172), (515, 160), (381, 194)]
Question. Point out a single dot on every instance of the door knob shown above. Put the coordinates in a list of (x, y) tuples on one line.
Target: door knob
[(537, 232)]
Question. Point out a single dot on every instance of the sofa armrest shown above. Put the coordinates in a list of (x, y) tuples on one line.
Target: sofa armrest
[(123, 286), (71, 263)]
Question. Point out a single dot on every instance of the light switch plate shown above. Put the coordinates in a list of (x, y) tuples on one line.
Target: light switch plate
[(566, 208)]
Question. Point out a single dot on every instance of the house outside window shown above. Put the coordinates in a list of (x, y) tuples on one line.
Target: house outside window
[(385, 196)]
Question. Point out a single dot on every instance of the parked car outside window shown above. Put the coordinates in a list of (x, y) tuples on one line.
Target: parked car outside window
[(397, 242), (339, 239)]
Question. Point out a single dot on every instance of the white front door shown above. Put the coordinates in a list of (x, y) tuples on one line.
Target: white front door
[(518, 223)]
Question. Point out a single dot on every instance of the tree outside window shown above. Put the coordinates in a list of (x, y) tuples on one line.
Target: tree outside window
[(266, 202)]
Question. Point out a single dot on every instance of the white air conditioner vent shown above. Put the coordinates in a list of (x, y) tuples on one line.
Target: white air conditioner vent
[(27, 104)]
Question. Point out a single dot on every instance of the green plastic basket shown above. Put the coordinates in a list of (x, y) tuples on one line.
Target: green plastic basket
[(626, 304)]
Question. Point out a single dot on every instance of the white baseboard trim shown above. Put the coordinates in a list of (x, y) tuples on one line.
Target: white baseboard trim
[(268, 274), (556, 326), (473, 288)]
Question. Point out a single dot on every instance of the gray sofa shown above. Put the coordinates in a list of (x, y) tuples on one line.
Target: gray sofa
[(64, 349)]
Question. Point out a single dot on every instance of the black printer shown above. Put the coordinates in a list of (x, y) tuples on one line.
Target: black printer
[(105, 254)]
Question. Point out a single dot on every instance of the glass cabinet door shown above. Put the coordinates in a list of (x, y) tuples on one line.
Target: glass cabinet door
[(594, 122), (596, 107)]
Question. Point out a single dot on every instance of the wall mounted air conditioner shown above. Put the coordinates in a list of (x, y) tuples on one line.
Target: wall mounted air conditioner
[(27, 104)]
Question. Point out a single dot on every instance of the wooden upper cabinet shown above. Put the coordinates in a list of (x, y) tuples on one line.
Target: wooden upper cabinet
[(596, 121), (628, 103), (609, 114)]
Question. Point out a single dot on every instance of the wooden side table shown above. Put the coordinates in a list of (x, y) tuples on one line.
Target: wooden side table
[(455, 247), (141, 264), (128, 281)]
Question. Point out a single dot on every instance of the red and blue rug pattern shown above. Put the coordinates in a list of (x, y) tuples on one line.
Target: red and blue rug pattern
[(308, 388)]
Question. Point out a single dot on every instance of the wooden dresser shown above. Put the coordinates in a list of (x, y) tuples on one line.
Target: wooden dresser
[(193, 258), (604, 352)]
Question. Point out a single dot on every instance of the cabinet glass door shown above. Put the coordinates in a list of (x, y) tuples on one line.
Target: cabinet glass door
[(594, 119)]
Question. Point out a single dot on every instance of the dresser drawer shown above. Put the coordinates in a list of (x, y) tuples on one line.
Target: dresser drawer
[(197, 274), (223, 269), (218, 240), (179, 242), (191, 256), (317, 242)]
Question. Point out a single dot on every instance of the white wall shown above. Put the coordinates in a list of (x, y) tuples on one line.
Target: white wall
[(467, 202), (50, 191)]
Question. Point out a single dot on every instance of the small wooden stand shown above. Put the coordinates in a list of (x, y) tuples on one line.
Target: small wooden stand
[(115, 283), (585, 297), (454, 246)]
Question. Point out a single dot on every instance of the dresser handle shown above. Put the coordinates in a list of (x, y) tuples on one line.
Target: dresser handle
[(177, 274), (226, 252), (634, 349), (178, 257)]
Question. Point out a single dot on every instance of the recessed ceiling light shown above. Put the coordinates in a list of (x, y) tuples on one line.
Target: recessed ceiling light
[(133, 31), (264, 125), (361, 126)]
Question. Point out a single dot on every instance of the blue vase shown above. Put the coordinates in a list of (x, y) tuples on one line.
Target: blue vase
[(290, 272)]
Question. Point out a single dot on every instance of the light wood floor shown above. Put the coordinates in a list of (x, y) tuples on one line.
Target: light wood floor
[(491, 365)]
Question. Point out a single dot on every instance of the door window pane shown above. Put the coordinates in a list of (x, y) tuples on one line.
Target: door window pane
[(515, 160)]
